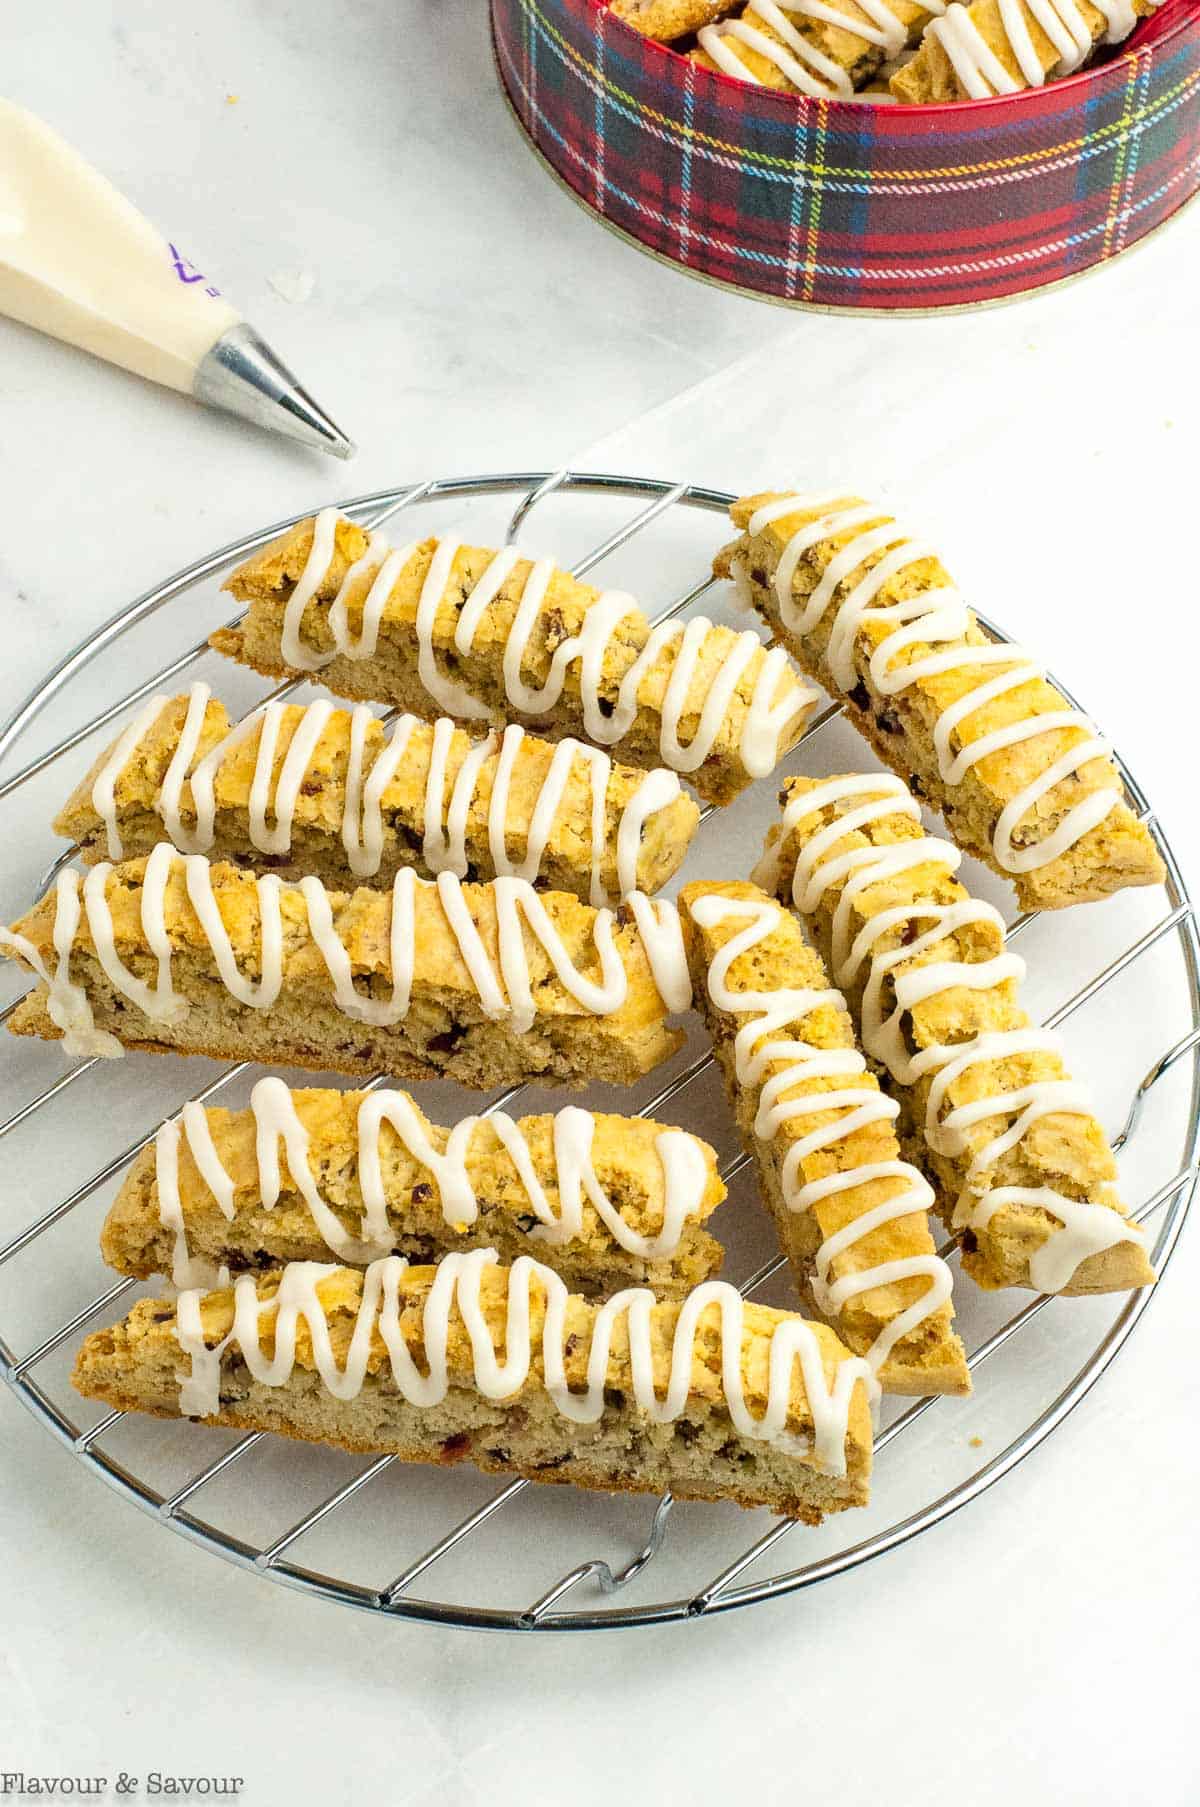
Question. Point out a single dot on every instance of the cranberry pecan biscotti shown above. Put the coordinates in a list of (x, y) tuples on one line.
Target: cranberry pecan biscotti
[(822, 48), (1001, 46), (337, 793), (470, 1361), (487, 984), (1021, 778), (668, 19), (316, 1175), (1023, 1169), (440, 628), (851, 1215)]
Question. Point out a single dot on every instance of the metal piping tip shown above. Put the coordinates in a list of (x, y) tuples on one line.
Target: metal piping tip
[(244, 376)]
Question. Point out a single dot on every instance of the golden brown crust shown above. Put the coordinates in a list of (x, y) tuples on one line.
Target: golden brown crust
[(137, 1365), (444, 1031), (930, 1358), (1066, 1152), (1118, 852), (668, 19), (316, 843), (852, 52), (267, 580), (625, 1158), (931, 75)]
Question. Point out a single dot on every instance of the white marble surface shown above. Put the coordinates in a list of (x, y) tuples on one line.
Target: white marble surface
[(465, 316)]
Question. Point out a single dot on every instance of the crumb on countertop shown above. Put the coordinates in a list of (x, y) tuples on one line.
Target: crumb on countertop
[(294, 286)]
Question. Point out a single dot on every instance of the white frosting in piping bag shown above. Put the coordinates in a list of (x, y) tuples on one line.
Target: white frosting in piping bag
[(932, 617), (362, 831), (1087, 1227), (457, 1284), (761, 1043), (684, 1170), (505, 988), (79, 262), (765, 718)]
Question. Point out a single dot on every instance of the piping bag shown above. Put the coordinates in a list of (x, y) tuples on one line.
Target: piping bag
[(78, 261)]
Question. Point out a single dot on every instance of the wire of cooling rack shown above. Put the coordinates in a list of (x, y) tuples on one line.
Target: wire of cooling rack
[(726, 1589)]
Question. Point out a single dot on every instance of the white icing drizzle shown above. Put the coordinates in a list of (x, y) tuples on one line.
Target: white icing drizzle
[(362, 828), (458, 1285), (1120, 17), (362, 814), (980, 71), (320, 557), (757, 1047), (104, 784), (446, 850), (1086, 1227), (716, 40), (386, 566), (935, 617), (505, 988), (1087, 1230), (160, 1001), (658, 925), (291, 775), (380, 1013), (198, 879), (882, 27), (682, 1159), (186, 1269), (67, 1003), (765, 719)]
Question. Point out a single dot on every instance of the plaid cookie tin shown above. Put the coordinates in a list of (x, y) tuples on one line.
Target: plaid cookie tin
[(829, 204)]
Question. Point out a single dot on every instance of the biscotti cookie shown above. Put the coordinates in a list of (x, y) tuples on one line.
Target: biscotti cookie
[(487, 984), (851, 1215), (1001, 46), (1023, 1169), (469, 1361), (668, 19), (440, 628), (1022, 779), (337, 793), (823, 48), (313, 1175)]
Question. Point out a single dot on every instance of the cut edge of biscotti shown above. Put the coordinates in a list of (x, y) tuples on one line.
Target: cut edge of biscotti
[(816, 1459), (1117, 854), (266, 581), (998, 1249), (566, 1041), (318, 811), (667, 20), (849, 43), (434, 1191), (930, 1358), (931, 78)]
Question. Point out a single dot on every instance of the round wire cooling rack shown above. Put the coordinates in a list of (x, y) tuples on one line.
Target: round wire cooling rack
[(453, 1546)]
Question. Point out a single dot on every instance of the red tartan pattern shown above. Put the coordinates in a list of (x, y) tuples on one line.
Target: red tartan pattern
[(842, 205)]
